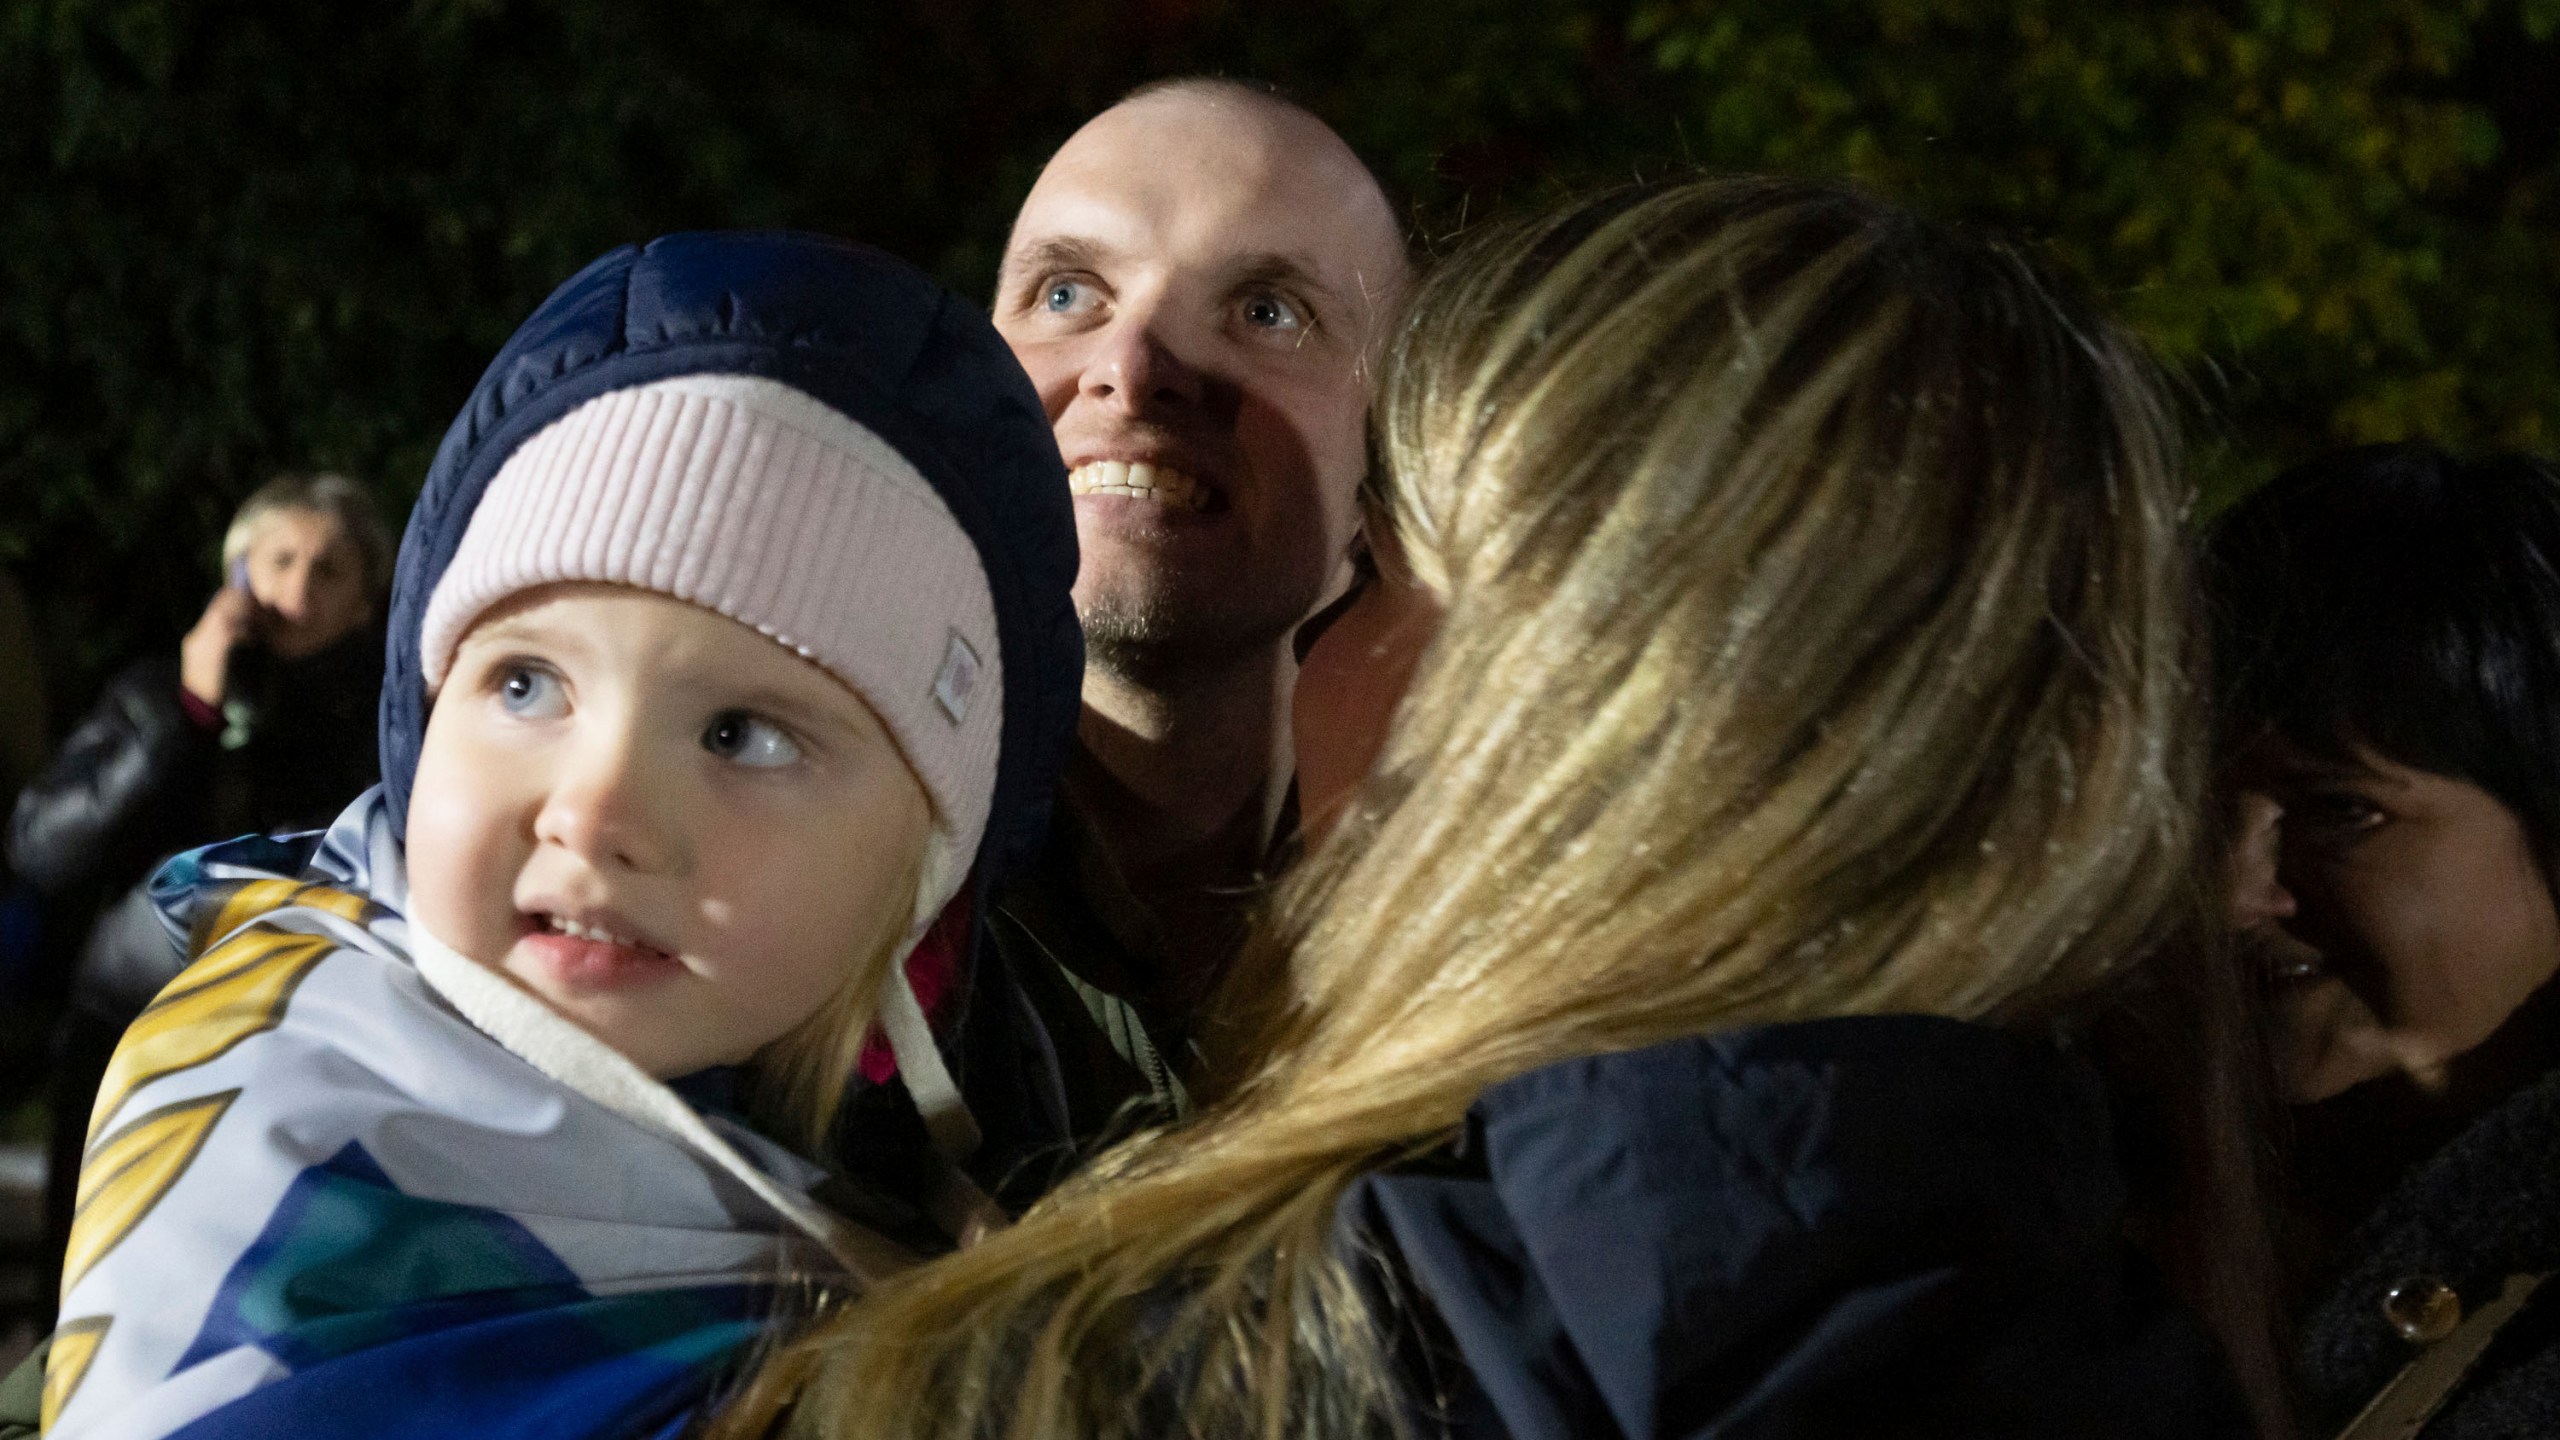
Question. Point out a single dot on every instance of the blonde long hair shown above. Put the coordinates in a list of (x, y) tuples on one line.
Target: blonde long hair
[(1817, 641)]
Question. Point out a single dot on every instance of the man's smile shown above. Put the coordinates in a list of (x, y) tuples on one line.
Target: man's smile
[(1141, 480)]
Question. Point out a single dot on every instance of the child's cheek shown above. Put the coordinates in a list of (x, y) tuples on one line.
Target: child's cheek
[(461, 886)]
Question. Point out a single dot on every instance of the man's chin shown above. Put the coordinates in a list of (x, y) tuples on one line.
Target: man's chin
[(1146, 635)]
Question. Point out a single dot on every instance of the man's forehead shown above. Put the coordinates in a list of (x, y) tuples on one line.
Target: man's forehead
[(1216, 182)]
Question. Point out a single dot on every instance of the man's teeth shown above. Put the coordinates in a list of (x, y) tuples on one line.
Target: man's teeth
[(562, 925), (1161, 483)]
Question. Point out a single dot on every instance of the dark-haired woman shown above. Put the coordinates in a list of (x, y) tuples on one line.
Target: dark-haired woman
[(2389, 626)]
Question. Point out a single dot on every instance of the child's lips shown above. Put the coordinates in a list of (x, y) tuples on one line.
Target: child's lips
[(598, 951), (591, 965)]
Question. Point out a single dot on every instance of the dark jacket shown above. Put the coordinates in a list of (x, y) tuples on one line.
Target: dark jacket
[(139, 777), (1070, 1006), (1881, 1226), (2482, 1209)]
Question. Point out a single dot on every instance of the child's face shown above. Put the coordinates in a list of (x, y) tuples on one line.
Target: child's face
[(681, 835)]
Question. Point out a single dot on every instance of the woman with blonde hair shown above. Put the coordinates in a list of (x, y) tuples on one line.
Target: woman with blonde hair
[(1680, 1031)]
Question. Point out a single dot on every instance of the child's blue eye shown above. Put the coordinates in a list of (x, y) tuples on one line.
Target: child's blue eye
[(748, 740), (530, 694)]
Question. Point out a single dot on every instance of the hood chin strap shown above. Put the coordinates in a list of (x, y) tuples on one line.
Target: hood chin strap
[(937, 1096), (965, 1212)]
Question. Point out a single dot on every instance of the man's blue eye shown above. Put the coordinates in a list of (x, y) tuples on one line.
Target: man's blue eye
[(529, 694), (749, 740), (1270, 312), (1062, 296)]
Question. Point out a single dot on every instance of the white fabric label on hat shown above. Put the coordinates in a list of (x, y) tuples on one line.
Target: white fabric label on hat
[(959, 676)]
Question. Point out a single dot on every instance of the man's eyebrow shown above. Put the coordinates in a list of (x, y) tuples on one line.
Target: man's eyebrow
[(1058, 252), (1269, 268)]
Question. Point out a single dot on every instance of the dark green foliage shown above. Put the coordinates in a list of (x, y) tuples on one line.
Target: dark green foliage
[(242, 238)]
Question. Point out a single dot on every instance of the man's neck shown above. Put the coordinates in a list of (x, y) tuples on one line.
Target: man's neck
[(1183, 781)]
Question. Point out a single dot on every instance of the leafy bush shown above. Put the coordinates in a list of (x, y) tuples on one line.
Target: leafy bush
[(248, 237)]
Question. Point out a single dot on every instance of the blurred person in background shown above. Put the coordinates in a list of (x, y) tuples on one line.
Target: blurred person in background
[(2388, 648), (262, 718), (1682, 1030)]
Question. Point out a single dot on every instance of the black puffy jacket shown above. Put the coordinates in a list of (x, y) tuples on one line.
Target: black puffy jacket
[(138, 778), (1882, 1226)]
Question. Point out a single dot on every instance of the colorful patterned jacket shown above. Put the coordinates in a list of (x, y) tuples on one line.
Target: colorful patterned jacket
[(343, 1181)]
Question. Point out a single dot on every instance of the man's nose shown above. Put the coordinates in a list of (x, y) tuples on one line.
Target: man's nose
[(1138, 365), (608, 807)]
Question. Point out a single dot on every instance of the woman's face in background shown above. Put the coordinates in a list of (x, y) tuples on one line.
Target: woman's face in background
[(308, 578), (2406, 911)]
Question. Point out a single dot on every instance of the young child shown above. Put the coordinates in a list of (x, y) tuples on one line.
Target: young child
[(730, 644)]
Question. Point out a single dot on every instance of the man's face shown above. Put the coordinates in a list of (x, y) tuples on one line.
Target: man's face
[(1194, 285)]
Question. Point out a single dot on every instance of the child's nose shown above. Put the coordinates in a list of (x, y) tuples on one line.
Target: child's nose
[(604, 809)]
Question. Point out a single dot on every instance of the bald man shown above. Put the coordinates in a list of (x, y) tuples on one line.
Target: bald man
[(1198, 285)]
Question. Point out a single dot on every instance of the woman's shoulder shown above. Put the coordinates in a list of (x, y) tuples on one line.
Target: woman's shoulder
[(1749, 1085), (1795, 1226), (1839, 1125)]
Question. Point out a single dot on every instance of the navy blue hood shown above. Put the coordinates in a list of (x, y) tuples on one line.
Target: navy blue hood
[(868, 335)]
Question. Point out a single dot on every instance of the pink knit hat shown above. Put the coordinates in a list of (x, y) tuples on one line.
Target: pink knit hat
[(756, 500)]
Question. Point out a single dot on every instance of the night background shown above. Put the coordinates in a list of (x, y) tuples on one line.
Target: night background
[(241, 238)]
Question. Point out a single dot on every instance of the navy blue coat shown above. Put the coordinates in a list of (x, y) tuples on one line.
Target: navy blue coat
[(1893, 1225)]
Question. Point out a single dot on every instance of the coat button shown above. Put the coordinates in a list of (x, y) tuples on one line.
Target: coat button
[(2422, 1308)]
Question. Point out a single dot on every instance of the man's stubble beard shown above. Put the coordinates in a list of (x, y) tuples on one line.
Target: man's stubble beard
[(1153, 637)]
